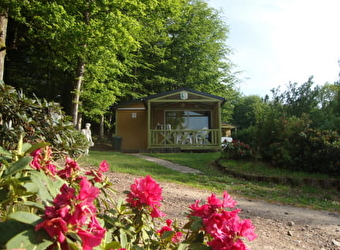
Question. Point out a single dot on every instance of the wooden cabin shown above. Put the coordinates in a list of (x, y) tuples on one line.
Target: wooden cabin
[(182, 119)]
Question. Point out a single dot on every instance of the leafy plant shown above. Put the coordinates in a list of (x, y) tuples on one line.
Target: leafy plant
[(39, 121), (69, 208), (300, 148), (236, 150)]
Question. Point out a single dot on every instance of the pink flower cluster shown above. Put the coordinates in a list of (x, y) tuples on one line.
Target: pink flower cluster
[(71, 170), (73, 211), (146, 192), (75, 214), (42, 161), (225, 227), (177, 235), (98, 174)]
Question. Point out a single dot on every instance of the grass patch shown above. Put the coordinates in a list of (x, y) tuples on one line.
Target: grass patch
[(264, 169), (216, 181)]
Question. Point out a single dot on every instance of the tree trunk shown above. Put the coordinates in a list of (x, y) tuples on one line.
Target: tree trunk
[(78, 83), (101, 131), (76, 91), (3, 32), (80, 121)]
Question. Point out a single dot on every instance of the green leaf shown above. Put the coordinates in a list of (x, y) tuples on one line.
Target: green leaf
[(197, 223), (17, 166), (30, 239), (25, 217), (34, 205), (31, 187), (136, 247), (25, 147), (49, 188), (123, 238), (199, 246), (168, 235), (31, 148), (4, 152), (10, 228), (112, 245), (183, 246)]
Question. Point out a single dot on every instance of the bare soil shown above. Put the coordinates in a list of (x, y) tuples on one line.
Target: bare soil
[(277, 226)]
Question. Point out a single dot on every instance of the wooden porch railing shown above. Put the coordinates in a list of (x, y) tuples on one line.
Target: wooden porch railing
[(185, 139)]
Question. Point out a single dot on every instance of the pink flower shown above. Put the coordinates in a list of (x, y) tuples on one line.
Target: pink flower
[(42, 161), (87, 191), (73, 213), (228, 201), (155, 212), (55, 227), (104, 166), (70, 170), (225, 227), (98, 174), (92, 235), (146, 192), (65, 197), (81, 213), (177, 235), (213, 205), (36, 159)]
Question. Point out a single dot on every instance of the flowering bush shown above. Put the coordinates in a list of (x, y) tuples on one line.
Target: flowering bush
[(236, 150), (45, 206), (40, 120)]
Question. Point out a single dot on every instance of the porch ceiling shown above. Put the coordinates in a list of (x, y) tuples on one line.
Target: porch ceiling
[(183, 104)]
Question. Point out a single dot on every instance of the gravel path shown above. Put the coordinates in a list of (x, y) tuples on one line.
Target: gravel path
[(278, 227)]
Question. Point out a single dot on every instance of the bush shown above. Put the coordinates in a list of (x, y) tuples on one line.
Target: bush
[(38, 121), (45, 206), (311, 151), (236, 150)]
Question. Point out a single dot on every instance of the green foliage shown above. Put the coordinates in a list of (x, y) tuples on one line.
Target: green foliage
[(280, 130), (291, 143), (39, 121), (249, 111), (236, 150), (21, 185), (213, 179), (129, 48), (300, 148), (54, 207)]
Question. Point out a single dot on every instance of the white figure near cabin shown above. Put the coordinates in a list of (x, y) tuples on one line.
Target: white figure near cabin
[(87, 132)]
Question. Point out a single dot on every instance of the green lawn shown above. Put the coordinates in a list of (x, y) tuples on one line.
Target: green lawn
[(216, 181)]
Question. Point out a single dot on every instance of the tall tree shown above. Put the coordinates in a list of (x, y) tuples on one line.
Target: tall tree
[(301, 99), (3, 31), (102, 51), (184, 46), (92, 42)]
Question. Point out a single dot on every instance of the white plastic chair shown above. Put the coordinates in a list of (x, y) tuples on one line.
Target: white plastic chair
[(201, 135)]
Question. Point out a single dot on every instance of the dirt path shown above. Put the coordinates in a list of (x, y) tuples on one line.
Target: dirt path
[(278, 227)]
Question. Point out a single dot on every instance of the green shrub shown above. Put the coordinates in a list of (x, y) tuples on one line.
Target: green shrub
[(236, 150), (39, 120), (311, 150), (48, 206)]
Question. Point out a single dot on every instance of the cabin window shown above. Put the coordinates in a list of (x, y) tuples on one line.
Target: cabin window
[(186, 119)]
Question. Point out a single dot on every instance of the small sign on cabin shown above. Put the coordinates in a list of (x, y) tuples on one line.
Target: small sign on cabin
[(183, 95)]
